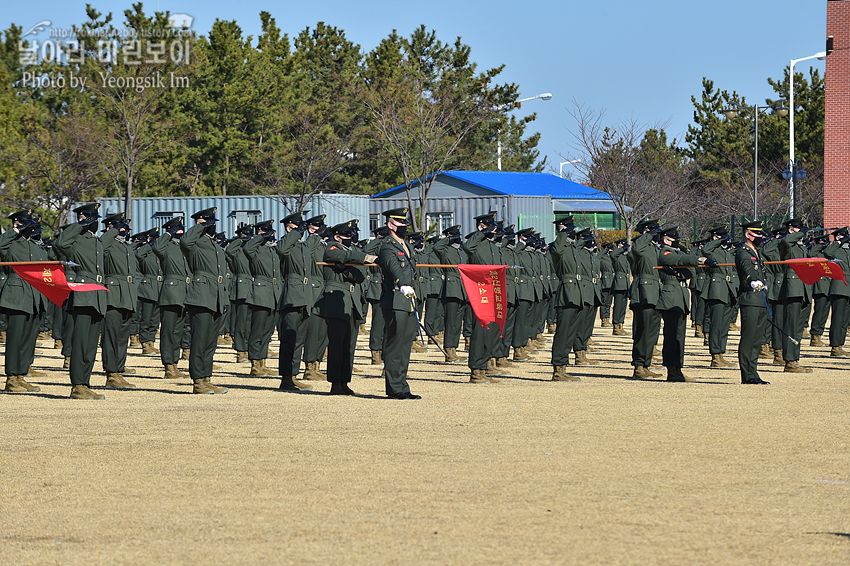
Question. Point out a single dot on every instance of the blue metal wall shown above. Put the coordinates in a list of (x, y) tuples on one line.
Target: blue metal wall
[(522, 211), (236, 209)]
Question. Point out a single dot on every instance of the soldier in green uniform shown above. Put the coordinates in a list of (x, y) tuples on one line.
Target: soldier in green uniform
[(820, 295), (302, 286), (78, 243), (839, 293), (448, 251), (342, 305), (606, 266), (172, 295), (482, 250), (265, 295), (564, 253), (121, 279), (794, 294), (421, 284), (721, 296), (399, 272), (206, 298), (525, 295), (776, 276), (240, 292), (674, 302), (699, 288), (20, 302), (434, 323), (317, 329), (374, 279), (149, 287), (645, 292), (588, 279), (620, 286), (751, 298)]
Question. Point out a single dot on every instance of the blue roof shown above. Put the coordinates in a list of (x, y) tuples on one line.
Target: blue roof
[(525, 184)]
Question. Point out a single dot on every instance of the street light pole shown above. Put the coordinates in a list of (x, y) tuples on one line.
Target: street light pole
[(511, 106), (561, 166), (730, 113), (792, 183)]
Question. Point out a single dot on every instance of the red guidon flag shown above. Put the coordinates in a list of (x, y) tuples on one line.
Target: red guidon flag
[(809, 270), (485, 287), (50, 281)]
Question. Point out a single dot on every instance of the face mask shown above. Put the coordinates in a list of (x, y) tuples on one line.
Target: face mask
[(347, 242), (400, 231), (209, 228)]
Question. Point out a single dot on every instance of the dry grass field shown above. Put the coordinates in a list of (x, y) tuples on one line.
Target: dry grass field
[(527, 471)]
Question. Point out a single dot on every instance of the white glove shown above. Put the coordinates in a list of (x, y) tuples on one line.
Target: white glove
[(758, 286), (407, 291)]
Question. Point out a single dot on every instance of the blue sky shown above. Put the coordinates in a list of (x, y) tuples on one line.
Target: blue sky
[(633, 59)]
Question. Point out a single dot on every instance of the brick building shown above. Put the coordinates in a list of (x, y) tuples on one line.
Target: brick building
[(837, 119)]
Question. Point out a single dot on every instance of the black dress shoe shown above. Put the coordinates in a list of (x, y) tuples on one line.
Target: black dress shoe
[(404, 396), (341, 389), (756, 381)]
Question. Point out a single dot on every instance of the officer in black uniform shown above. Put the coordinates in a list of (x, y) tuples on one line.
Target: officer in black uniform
[(399, 272)]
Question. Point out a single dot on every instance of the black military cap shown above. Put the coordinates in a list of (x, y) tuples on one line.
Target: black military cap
[(381, 231), (794, 223), (433, 239), (609, 246), (207, 214), (647, 224), (525, 232), (265, 225), (719, 230), (397, 214), (452, 230), (113, 218), (318, 220), (566, 221), (293, 218), (509, 230), (587, 232), (21, 216), (621, 241), (174, 224), (671, 232), (414, 236), (88, 210), (245, 229), (754, 226), (343, 229), (842, 231), (488, 218)]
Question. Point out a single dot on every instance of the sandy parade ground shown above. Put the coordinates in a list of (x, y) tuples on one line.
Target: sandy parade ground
[(610, 470)]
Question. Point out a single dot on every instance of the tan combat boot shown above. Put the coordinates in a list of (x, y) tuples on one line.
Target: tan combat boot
[(67, 363), (504, 363), (257, 369), (559, 373), (838, 352), (417, 347), (28, 386), (492, 369), (116, 381), (200, 387), (452, 357), (642, 372), (466, 343), (376, 358), (716, 361), (765, 351), (272, 355), (12, 385), (83, 392), (57, 344), (698, 333), (551, 328), (520, 355), (795, 367), (148, 348), (478, 376), (733, 326), (619, 330), (134, 341), (727, 362), (312, 372), (242, 357), (542, 339), (777, 358), (289, 383), (806, 333), (35, 373), (675, 374), (184, 354), (816, 341), (176, 373), (2, 336), (606, 323)]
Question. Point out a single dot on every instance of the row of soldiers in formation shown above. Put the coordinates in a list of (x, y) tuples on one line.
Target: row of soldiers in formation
[(247, 287)]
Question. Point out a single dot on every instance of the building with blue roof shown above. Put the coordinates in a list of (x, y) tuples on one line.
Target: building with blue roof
[(522, 199)]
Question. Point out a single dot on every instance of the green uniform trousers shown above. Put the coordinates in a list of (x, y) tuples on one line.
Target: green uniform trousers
[(293, 336), (376, 329), (645, 328), (317, 339), (454, 309), (821, 313), (776, 337), (434, 315), (400, 330), (673, 349), (148, 320), (840, 320), (567, 321), (172, 322), (523, 317), (85, 336), (482, 345), (21, 336), (114, 339), (585, 328), (753, 322), (718, 331), (240, 322), (621, 300), (342, 341), (503, 345), (205, 324), (263, 321), (793, 323)]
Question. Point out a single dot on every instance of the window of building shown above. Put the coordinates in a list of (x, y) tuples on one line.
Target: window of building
[(161, 218), (243, 217), (440, 221)]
